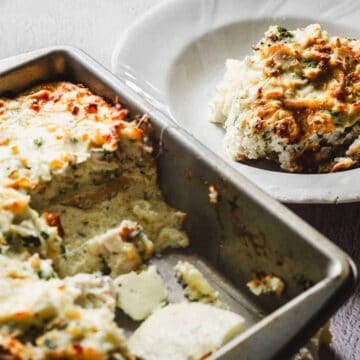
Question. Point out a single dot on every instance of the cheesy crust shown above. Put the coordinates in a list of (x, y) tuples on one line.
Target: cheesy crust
[(55, 126), (295, 101)]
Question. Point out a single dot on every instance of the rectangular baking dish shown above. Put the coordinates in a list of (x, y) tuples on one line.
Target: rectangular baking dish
[(246, 231)]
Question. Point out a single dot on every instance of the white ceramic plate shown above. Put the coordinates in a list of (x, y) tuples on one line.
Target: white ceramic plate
[(175, 56)]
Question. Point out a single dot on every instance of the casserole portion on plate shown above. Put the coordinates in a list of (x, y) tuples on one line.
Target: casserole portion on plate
[(295, 101)]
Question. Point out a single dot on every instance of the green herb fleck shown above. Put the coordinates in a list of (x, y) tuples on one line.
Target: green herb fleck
[(9, 238), (49, 344), (38, 142), (45, 275), (32, 241), (284, 33), (336, 116), (74, 140), (44, 235), (63, 251), (107, 155), (310, 63)]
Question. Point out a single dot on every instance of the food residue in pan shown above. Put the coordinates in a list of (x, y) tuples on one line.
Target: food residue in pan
[(266, 284), (213, 195)]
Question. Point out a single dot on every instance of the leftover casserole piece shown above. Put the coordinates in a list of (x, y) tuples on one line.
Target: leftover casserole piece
[(295, 101), (266, 284), (196, 286), (141, 293)]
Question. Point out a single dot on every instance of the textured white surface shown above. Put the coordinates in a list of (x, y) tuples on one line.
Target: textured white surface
[(92, 25), (141, 293), (185, 331)]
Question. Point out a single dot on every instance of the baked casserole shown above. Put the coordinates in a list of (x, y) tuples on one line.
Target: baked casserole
[(79, 206)]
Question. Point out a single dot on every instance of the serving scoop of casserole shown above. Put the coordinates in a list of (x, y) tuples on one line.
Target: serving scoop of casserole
[(295, 101)]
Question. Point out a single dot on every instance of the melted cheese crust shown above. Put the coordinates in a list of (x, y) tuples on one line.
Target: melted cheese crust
[(296, 101), (53, 127)]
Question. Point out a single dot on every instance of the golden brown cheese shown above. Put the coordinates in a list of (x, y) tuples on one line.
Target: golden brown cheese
[(53, 127), (296, 100)]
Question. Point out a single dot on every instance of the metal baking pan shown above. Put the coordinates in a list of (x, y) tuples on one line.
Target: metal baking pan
[(244, 231)]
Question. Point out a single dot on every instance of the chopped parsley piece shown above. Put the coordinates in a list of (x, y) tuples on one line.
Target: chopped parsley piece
[(44, 235), (74, 140), (31, 241), (38, 142), (337, 117), (334, 113), (49, 344), (106, 154), (284, 33), (81, 234), (310, 63), (45, 275), (8, 238), (63, 251)]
